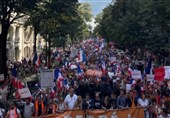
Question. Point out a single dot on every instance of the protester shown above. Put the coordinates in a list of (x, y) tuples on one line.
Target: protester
[(88, 103), (28, 108), (121, 100), (79, 103), (97, 102), (70, 100), (114, 88), (51, 108), (40, 108), (113, 100), (60, 105), (2, 112), (13, 112), (106, 104), (143, 102)]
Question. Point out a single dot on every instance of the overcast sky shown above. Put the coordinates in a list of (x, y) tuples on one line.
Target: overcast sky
[(97, 5)]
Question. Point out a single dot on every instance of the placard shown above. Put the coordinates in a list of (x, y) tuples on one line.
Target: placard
[(136, 75), (113, 59), (74, 52), (150, 77), (128, 87), (24, 93), (46, 78)]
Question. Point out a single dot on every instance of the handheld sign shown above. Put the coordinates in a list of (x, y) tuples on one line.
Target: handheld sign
[(24, 93), (46, 78), (150, 78), (136, 75)]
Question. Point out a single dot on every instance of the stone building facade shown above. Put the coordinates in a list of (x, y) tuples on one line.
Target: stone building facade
[(20, 41)]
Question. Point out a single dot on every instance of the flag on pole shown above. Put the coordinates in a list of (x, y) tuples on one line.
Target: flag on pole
[(14, 77), (81, 56), (35, 58), (14, 71), (162, 73), (38, 62), (60, 81), (148, 69), (79, 71), (101, 47), (57, 56), (104, 66), (56, 74), (65, 83)]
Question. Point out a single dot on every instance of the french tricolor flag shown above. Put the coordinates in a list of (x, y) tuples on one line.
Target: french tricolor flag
[(101, 47), (57, 56), (60, 80), (103, 66), (38, 62), (65, 83), (81, 56), (162, 73), (79, 71), (14, 77)]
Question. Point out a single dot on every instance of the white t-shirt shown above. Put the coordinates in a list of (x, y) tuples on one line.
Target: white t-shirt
[(70, 101), (143, 103), (28, 110), (11, 113), (1, 112)]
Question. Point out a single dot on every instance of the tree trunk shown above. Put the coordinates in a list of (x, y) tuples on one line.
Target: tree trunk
[(35, 39), (3, 43), (49, 52), (46, 50)]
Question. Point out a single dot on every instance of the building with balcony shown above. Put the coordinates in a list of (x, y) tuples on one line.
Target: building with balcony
[(20, 41)]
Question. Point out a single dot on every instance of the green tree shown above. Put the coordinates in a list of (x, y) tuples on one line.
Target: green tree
[(11, 10), (137, 24)]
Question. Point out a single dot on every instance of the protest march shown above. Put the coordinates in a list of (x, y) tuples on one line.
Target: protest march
[(90, 79)]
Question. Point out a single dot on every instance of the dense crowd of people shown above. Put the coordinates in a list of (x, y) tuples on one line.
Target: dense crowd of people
[(105, 92)]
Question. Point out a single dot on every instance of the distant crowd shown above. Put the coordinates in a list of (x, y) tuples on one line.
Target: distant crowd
[(74, 89)]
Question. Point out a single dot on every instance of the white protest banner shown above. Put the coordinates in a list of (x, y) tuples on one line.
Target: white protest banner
[(113, 59), (136, 75), (24, 93), (1, 77), (46, 78), (128, 87), (150, 77), (74, 52)]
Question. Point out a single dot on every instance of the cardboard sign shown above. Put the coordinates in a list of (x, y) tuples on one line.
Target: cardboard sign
[(1, 77), (150, 78), (113, 59), (74, 52), (128, 87), (111, 74), (47, 78), (24, 93), (136, 75)]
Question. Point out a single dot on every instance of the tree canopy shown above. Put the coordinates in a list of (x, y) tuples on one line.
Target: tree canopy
[(137, 24), (55, 20)]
